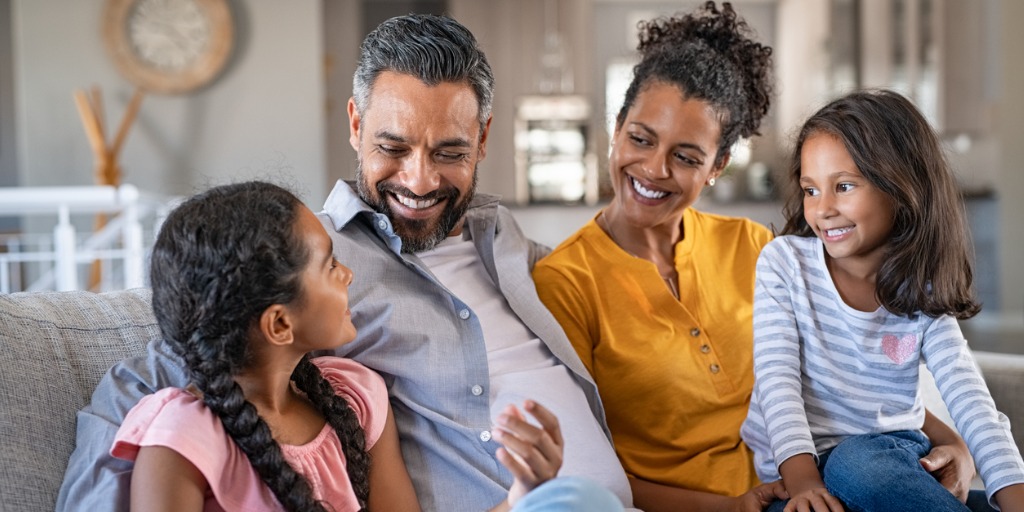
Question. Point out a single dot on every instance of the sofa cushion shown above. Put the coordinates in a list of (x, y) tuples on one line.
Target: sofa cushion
[(54, 348)]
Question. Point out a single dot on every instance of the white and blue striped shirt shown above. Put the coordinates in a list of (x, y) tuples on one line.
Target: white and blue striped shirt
[(824, 370)]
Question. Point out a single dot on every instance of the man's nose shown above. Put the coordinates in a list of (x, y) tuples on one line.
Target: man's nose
[(419, 174)]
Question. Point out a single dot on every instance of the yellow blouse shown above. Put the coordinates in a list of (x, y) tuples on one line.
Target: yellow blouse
[(675, 376)]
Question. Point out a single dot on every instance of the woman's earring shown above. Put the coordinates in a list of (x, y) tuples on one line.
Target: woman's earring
[(711, 182)]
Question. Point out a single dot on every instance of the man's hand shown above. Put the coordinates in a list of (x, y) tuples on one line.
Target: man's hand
[(952, 466), (532, 454)]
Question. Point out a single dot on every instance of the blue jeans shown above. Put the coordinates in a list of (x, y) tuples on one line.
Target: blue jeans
[(874, 472), (569, 494)]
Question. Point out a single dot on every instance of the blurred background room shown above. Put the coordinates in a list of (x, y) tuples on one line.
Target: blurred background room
[(258, 89)]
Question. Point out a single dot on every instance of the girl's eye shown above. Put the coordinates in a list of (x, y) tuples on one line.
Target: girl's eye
[(844, 187), (810, 191), (334, 263)]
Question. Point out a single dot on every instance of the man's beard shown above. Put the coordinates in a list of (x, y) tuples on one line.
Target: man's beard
[(417, 234)]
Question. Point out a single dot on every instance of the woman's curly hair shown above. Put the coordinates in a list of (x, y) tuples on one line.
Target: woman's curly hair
[(222, 257), (709, 55)]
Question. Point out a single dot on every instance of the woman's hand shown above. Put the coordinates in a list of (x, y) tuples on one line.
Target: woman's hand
[(758, 498), (949, 461), (532, 454)]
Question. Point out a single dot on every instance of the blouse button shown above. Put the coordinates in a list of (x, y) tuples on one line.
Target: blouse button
[(705, 348), (477, 390), (695, 332), (464, 314), (485, 436), (714, 368)]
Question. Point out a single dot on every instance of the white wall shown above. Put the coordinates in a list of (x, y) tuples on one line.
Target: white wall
[(1010, 183), (264, 117)]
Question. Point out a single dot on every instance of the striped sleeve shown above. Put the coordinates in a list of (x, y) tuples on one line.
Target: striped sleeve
[(985, 429), (777, 364)]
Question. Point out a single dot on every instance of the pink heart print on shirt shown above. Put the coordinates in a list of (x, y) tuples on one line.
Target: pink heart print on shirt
[(899, 349)]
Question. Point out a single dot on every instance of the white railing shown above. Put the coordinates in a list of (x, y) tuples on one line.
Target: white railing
[(53, 262)]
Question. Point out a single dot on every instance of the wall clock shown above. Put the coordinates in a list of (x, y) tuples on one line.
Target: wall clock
[(169, 46)]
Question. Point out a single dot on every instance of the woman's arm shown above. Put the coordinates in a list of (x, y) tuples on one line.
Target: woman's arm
[(390, 485), (949, 460), (654, 497), (165, 480)]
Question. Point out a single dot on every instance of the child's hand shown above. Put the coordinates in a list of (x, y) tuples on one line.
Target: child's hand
[(817, 499), (532, 454)]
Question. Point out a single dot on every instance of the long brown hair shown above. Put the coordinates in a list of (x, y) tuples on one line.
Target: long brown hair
[(929, 264)]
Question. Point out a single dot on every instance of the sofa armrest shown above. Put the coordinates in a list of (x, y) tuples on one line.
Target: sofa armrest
[(54, 349)]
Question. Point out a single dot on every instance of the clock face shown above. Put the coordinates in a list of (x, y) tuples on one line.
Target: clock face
[(169, 46), (168, 34)]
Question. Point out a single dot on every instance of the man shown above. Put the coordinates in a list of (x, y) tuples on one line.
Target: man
[(442, 299)]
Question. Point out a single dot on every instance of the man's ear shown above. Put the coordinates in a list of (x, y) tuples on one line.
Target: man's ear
[(483, 138), (277, 326), (353, 124)]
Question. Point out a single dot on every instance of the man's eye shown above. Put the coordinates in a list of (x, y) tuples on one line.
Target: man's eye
[(388, 150), (450, 157)]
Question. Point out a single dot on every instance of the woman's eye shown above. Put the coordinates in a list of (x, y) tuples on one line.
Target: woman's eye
[(638, 140), (687, 160)]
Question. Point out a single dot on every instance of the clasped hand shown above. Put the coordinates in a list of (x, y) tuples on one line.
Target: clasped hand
[(533, 454)]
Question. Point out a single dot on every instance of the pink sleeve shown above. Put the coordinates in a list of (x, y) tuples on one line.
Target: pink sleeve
[(362, 388), (175, 419)]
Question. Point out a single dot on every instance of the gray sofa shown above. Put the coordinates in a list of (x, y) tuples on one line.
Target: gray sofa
[(55, 347)]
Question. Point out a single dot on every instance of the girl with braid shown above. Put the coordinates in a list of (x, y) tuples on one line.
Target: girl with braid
[(245, 286)]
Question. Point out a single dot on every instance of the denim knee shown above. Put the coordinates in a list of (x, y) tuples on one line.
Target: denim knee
[(866, 464), (883, 472), (569, 494)]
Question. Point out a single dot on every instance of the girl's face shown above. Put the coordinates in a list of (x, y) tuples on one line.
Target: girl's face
[(322, 317), (851, 216), (663, 154)]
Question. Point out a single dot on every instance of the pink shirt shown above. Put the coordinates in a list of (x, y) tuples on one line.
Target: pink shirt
[(176, 419)]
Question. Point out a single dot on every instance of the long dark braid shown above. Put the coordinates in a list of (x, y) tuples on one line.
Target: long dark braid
[(222, 257), (309, 380)]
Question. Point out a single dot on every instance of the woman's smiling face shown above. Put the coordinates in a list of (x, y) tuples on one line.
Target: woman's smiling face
[(663, 155)]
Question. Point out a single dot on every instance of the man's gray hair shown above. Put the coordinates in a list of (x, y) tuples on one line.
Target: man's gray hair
[(434, 49)]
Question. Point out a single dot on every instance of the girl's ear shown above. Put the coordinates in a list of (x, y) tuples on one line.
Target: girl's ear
[(276, 325)]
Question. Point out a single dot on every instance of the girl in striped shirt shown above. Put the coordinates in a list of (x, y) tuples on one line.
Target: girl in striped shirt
[(867, 283)]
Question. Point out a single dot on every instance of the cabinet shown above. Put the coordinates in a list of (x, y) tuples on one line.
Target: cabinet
[(554, 155)]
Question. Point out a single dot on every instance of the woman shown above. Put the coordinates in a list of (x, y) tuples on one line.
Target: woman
[(656, 297)]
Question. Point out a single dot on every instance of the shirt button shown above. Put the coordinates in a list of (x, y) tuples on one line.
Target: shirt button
[(695, 332), (705, 349), (382, 225), (714, 368), (464, 314), (477, 390), (485, 436)]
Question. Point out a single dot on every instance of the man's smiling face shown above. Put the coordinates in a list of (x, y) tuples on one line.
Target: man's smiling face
[(418, 147)]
